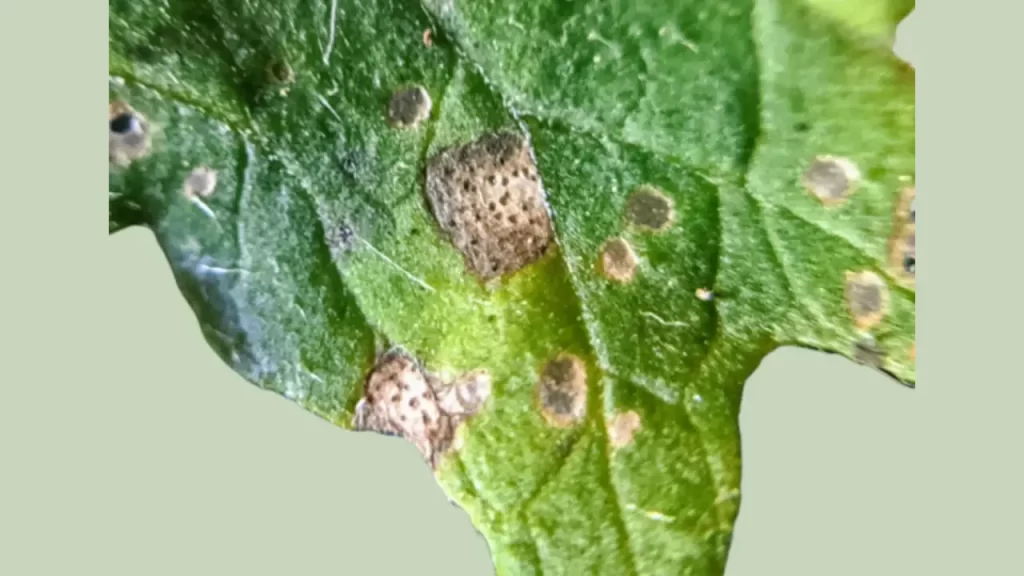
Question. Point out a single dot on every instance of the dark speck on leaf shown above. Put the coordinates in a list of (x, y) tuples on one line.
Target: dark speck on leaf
[(123, 123)]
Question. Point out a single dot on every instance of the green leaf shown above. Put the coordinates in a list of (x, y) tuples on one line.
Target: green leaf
[(692, 184)]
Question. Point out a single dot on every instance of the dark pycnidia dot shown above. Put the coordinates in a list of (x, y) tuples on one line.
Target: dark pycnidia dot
[(123, 124)]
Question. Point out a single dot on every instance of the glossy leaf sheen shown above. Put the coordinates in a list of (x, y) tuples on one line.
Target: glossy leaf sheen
[(721, 105)]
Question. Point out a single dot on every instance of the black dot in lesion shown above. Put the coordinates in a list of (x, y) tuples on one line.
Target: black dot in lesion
[(909, 264), (124, 123), (129, 134)]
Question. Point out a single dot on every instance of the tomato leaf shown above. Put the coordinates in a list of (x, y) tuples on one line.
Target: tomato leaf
[(547, 242)]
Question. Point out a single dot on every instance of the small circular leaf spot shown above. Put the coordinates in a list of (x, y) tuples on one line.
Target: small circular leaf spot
[(867, 297), (280, 72), (831, 179), (562, 391), (409, 106), (649, 208), (618, 261)]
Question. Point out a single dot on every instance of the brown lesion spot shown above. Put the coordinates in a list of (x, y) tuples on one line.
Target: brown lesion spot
[(562, 391), (622, 427), (404, 399), (279, 75), (487, 199), (867, 298), (409, 106), (902, 242), (129, 134), (648, 208), (831, 179), (279, 72), (618, 261)]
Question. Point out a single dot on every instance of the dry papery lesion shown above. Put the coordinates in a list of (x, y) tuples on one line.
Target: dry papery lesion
[(487, 198), (404, 398)]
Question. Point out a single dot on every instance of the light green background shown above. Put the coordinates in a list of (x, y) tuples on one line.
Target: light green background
[(128, 448)]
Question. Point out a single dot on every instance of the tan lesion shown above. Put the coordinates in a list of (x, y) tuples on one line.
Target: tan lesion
[(867, 298), (562, 391), (622, 427), (618, 261), (831, 179), (130, 137), (402, 398), (409, 106), (902, 246), (487, 198), (649, 209)]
